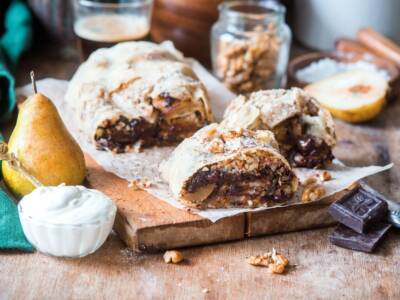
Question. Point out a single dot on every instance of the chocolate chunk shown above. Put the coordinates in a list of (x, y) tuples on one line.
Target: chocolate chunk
[(366, 242), (359, 210), (169, 101), (301, 149)]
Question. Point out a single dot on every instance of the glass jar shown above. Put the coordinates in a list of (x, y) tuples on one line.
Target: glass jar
[(250, 45)]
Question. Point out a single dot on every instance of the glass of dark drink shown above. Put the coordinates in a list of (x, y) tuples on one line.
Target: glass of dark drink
[(104, 23)]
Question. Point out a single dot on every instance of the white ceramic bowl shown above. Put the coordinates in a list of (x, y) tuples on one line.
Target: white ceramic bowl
[(66, 240)]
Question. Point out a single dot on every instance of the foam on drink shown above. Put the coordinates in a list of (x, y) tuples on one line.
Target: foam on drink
[(106, 30)]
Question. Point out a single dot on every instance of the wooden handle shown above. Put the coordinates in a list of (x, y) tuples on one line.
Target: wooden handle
[(379, 44), (348, 45)]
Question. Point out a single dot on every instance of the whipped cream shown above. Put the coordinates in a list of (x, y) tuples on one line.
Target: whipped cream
[(70, 221), (67, 205)]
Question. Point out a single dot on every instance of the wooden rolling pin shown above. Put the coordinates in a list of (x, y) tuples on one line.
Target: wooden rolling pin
[(379, 44)]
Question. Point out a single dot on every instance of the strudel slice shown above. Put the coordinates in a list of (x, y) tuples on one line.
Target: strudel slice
[(137, 94), (304, 130), (219, 167)]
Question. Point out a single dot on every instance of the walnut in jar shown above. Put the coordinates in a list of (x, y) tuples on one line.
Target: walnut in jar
[(250, 45)]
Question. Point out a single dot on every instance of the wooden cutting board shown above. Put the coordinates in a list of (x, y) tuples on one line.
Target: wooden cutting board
[(146, 223)]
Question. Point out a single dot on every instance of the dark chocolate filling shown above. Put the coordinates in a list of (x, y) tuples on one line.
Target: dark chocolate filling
[(302, 150), (237, 184), (126, 132), (169, 100)]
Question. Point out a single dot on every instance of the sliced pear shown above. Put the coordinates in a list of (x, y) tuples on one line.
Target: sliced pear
[(353, 96)]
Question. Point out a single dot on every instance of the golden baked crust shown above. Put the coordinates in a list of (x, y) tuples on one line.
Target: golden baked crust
[(304, 130), (137, 94), (220, 167)]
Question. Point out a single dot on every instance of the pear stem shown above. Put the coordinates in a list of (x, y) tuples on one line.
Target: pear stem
[(33, 80), (16, 164)]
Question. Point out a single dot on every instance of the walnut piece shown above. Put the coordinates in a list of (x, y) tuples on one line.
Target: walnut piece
[(211, 133), (274, 261), (312, 192), (173, 256), (231, 134), (325, 176), (260, 260), (217, 146)]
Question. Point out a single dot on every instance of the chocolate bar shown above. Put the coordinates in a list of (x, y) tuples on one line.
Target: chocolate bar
[(360, 209), (366, 242)]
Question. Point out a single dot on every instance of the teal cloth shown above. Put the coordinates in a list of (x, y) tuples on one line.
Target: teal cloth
[(11, 234), (16, 39)]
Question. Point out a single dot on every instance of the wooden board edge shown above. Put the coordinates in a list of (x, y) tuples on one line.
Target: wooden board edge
[(179, 235), (293, 218)]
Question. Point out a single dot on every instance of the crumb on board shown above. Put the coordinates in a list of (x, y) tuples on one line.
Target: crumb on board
[(140, 184), (205, 291), (275, 262), (173, 256)]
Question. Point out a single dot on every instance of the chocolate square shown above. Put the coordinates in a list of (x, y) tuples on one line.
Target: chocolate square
[(360, 209), (366, 242)]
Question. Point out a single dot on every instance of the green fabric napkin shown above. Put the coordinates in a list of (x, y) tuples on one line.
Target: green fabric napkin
[(16, 39), (11, 234)]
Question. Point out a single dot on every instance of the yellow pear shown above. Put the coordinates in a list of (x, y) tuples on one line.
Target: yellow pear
[(43, 145)]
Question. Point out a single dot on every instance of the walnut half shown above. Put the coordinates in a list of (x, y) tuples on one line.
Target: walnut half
[(173, 256), (274, 261)]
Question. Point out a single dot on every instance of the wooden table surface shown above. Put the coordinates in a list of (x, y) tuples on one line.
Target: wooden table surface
[(318, 269)]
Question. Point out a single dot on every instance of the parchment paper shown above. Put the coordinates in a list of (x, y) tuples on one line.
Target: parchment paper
[(144, 166)]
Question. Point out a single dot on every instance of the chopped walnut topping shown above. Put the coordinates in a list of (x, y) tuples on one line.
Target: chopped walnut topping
[(325, 176), (140, 184), (232, 134), (274, 261), (312, 193), (217, 146), (211, 133), (173, 256)]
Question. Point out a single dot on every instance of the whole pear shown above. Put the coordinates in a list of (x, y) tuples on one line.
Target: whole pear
[(43, 145)]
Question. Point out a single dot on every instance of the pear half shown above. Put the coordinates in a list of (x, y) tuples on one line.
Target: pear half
[(45, 148), (353, 96)]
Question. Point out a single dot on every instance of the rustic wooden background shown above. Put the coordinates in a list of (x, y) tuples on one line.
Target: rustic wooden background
[(318, 269)]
